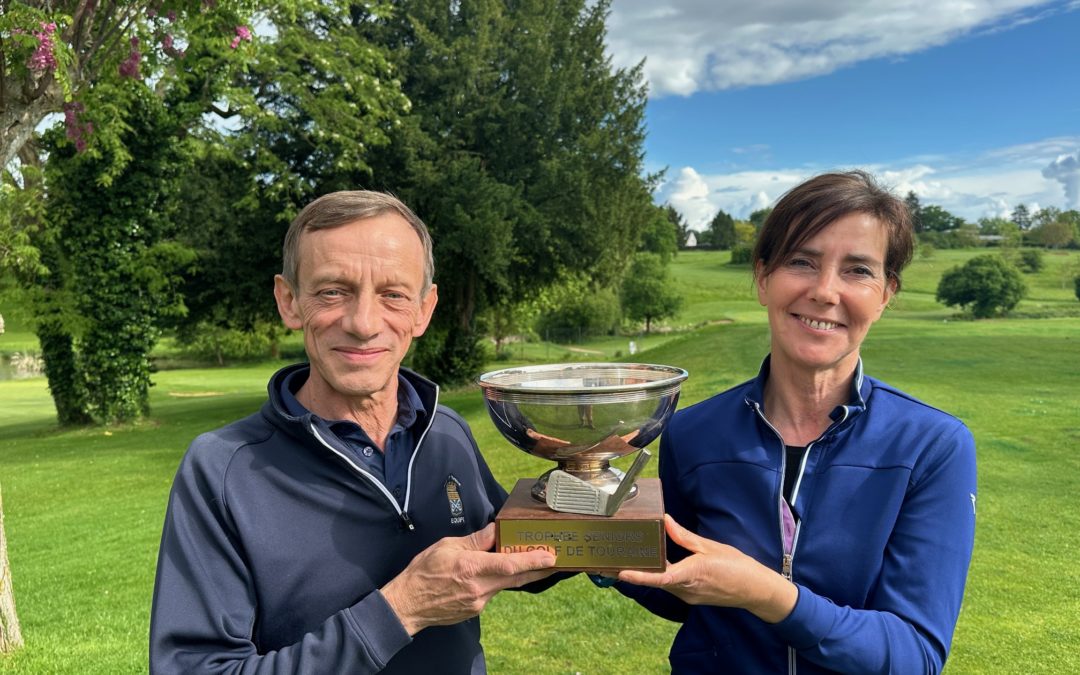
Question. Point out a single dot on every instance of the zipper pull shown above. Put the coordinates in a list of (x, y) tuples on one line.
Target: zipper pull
[(786, 570), (407, 521)]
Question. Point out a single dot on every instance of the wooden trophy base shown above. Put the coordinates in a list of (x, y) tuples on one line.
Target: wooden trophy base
[(632, 539)]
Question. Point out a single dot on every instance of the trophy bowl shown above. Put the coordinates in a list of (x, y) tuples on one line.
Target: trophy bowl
[(582, 415)]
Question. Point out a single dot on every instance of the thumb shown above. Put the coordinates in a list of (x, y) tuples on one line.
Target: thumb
[(683, 537), (481, 540)]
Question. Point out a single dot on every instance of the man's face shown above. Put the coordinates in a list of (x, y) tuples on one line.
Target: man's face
[(358, 301)]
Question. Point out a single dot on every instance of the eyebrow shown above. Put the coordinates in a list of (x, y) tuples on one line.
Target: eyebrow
[(849, 258)]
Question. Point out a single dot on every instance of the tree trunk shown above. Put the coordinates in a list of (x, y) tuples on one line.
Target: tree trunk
[(62, 371), (19, 119), (10, 635)]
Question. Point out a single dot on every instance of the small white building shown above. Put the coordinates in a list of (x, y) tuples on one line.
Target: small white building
[(691, 239)]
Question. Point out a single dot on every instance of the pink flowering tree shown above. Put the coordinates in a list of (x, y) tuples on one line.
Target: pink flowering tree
[(53, 56)]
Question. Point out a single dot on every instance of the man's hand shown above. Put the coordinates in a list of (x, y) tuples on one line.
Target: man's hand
[(720, 575), (454, 578)]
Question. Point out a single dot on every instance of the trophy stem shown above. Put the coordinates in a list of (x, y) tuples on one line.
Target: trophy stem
[(598, 472)]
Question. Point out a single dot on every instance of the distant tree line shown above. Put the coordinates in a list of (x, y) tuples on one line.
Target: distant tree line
[(1049, 227)]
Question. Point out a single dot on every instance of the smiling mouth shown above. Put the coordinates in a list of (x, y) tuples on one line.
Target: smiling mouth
[(359, 352), (818, 325)]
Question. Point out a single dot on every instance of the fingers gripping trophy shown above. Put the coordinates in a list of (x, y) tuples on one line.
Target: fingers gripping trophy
[(582, 416)]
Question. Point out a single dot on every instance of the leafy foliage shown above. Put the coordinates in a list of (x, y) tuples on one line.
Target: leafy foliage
[(1022, 217), (721, 232), (1031, 261), (648, 293), (914, 210), (112, 277), (576, 309), (660, 235), (986, 283), (682, 230), (742, 254), (524, 156), (54, 56), (933, 218)]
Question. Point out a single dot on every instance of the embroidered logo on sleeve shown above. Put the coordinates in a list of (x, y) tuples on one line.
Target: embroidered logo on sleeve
[(453, 496)]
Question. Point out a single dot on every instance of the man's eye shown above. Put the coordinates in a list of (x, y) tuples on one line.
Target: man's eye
[(330, 293)]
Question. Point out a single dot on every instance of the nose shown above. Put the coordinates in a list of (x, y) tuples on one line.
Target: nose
[(826, 287), (361, 317)]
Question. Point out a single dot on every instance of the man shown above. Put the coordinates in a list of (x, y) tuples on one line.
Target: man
[(345, 528)]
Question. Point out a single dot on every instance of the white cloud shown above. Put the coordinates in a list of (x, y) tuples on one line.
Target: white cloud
[(1066, 170), (991, 183), (692, 45), (698, 197)]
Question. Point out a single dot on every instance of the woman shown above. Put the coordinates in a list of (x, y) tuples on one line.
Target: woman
[(819, 520)]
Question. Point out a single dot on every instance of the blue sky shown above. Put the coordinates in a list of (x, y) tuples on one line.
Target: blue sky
[(975, 106)]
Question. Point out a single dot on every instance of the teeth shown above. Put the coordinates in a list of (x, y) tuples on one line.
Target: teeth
[(819, 325)]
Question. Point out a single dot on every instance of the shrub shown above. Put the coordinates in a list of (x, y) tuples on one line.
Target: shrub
[(1031, 261), (578, 313), (223, 345), (1076, 282), (740, 255), (987, 283)]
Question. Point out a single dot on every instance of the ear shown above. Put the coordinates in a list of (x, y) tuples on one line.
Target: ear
[(427, 309), (887, 295), (760, 281), (288, 304)]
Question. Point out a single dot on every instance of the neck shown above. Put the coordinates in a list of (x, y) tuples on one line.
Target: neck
[(374, 413), (798, 402)]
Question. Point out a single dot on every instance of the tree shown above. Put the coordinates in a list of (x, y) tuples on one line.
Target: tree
[(526, 160), (936, 219), (112, 276), (681, 228), (577, 308), (320, 97), (745, 233), (660, 235), (1055, 234), (757, 218), (914, 209), (987, 284), (993, 226), (721, 232), (54, 54), (647, 291), (1021, 217), (10, 632)]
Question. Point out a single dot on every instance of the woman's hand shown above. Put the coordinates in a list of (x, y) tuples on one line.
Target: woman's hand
[(720, 575)]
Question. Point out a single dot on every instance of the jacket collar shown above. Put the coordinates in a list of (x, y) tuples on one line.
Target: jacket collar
[(860, 392), (426, 390)]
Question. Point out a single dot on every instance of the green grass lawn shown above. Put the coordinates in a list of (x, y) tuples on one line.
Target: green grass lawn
[(83, 509)]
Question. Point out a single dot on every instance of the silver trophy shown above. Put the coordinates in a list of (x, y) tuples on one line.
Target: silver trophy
[(582, 416)]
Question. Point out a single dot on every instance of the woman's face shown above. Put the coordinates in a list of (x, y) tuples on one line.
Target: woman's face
[(824, 297)]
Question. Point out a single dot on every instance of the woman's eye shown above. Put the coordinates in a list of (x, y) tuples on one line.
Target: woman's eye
[(863, 271)]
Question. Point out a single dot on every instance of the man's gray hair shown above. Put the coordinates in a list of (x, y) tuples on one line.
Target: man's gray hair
[(348, 206)]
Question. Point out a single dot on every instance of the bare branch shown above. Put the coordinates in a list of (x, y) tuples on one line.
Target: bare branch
[(221, 112)]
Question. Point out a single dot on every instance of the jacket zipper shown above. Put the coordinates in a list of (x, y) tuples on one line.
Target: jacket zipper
[(788, 558), (403, 513)]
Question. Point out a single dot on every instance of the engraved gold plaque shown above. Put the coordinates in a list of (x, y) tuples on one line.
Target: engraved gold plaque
[(633, 538)]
